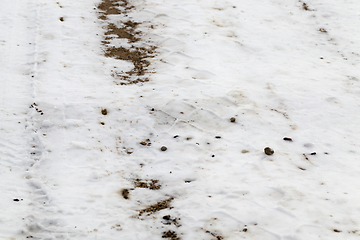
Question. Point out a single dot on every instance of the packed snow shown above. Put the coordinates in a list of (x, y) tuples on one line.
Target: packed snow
[(86, 153)]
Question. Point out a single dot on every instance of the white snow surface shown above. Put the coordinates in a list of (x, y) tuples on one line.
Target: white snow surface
[(264, 62)]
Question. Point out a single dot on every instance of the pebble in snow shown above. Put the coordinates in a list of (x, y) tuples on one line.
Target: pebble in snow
[(268, 151)]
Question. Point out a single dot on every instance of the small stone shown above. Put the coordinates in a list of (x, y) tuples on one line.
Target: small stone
[(104, 111), (163, 148), (313, 153), (218, 137), (125, 193), (232, 119), (143, 143), (287, 139), (268, 151), (167, 217)]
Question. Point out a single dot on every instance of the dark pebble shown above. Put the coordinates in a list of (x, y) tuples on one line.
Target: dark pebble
[(232, 119), (143, 143), (268, 151), (16, 200), (104, 111), (313, 153), (125, 193), (287, 139), (167, 217), (217, 137), (163, 148)]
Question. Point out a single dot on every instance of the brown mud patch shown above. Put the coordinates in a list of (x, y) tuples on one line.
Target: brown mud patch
[(138, 52), (111, 7), (125, 193), (168, 220), (156, 207), (171, 235), (150, 184)]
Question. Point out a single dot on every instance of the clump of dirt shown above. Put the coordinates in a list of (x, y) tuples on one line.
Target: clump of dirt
[(112, 7), (125, 30), (168, 220), (147, 142), (305, 7), (125, 193), (156, 207), (170, 234), (268, 151), (152, 184), (104, 111), (137, 55)]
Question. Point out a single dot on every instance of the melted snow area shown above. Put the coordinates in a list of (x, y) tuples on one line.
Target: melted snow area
[(180, 154)]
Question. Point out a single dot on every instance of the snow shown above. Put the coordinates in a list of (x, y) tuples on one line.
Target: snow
[(279, 69)]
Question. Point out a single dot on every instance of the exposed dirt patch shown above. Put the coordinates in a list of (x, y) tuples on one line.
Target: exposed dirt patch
[(168, 220), (125, 30), (156, 207), (137, 55), (112, 7), (150, 184), (122, 32), (170, 234)]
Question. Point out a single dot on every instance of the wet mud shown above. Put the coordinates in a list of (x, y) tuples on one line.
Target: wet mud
[(138, 53)]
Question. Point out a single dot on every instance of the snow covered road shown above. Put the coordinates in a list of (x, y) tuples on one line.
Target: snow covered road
[(148, 119)]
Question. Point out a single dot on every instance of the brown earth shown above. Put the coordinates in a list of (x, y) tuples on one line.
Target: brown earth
[(126, 30), (156, 207)]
